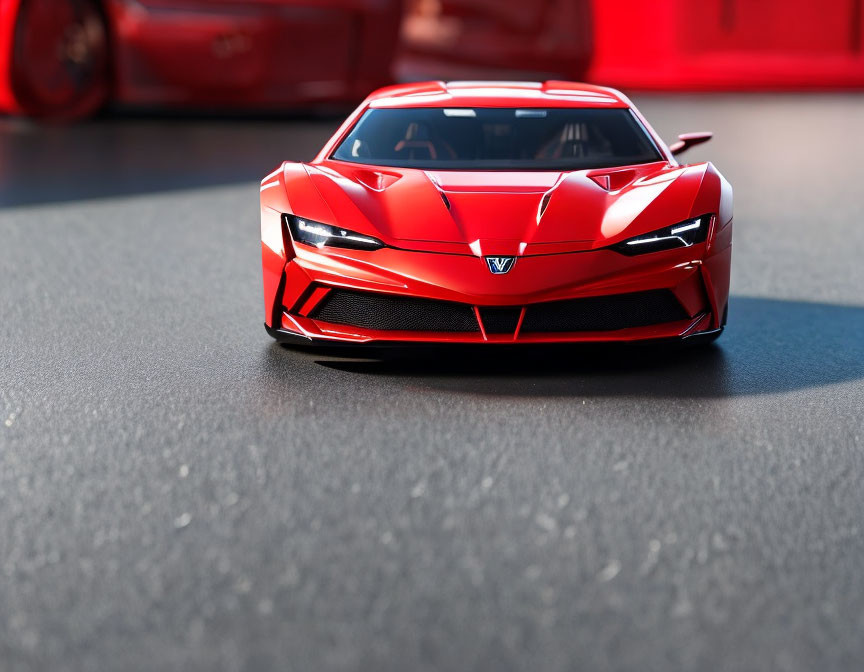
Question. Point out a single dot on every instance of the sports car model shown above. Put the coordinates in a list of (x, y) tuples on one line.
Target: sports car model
[(496, 213), (65, 58)]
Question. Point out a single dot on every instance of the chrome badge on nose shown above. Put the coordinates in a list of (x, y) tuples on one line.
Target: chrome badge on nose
[(499, 265)]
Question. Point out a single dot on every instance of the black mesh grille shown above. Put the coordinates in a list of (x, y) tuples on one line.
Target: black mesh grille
[(604, 313), (500, 320), (394, 313)]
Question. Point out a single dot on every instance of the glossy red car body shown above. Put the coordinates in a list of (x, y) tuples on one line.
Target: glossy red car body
[(67, 57), (439, 225)]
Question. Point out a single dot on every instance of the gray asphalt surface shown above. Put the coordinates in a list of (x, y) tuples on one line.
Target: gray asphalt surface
[(179, 493)]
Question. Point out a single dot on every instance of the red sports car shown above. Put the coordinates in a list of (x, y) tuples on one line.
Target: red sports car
[(491, 212), (68, 57)]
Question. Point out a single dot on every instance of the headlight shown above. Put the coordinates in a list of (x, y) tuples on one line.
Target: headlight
[(323, 235), (684, 234)]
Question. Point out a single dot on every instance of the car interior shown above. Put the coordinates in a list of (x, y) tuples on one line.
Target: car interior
[(496, 137)]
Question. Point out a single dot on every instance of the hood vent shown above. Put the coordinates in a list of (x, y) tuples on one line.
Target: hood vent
[(615, 180), (375, 180), (445, 199), (602, 180), (544, 203)]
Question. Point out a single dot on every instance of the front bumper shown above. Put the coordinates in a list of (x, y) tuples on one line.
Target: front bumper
[(685, 292)]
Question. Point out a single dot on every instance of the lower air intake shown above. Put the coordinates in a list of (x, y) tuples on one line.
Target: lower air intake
[(500, 320), (388, 312), (604, 313)]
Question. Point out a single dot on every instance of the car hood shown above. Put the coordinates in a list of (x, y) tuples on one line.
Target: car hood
[(492, 212)]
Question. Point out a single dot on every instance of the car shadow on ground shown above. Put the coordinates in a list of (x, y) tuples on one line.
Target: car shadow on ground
[(120, 156), (770, 346)]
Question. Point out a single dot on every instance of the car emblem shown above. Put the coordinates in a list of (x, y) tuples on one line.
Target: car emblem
[(500, 265)]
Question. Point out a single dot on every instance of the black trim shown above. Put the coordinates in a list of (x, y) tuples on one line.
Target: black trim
[(702, 337), (303, 298), (277, 308), (291, 337)]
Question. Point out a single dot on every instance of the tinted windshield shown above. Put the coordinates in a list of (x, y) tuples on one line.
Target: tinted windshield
[(498, 139)]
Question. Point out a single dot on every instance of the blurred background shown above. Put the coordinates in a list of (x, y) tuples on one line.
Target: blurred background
[(69, 58), (175, 86), (179, 493)]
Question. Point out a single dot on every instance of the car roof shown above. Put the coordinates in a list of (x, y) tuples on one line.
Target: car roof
[(551, 93)]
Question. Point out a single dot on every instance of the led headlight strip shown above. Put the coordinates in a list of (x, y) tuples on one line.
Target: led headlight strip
[(683, 234), (319, 235)]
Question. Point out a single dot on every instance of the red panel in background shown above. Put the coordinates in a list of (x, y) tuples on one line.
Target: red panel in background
[(728, 44), (8, 12), (466, 39), (649, 44)]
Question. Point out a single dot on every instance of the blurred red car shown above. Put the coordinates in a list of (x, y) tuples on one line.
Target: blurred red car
[(481, 38), (68, 57)]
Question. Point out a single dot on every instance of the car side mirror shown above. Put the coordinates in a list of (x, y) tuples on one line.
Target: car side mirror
[(688, 140)]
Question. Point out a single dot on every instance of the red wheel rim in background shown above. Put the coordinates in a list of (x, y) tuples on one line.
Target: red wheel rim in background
[(60, 58)]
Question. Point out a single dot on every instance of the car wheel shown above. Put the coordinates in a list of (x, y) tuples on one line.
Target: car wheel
[(60, 58)]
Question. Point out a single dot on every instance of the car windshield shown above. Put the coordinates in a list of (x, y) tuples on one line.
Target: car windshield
[(498, 139)]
